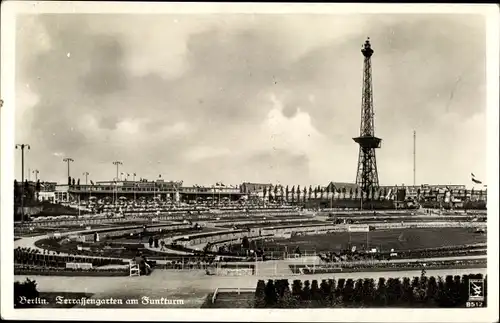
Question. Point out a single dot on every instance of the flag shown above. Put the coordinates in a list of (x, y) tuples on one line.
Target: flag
[(474, 179)]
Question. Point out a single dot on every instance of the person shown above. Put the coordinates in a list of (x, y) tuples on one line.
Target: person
[(162, 245), (156, 242), (150, 242)]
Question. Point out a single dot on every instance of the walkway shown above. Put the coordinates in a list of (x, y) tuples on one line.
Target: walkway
[(162, 282)]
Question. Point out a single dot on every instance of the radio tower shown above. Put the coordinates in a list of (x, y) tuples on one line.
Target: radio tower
[(367, 175)]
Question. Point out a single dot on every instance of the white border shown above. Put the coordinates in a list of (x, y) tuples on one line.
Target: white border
[(11, 8)]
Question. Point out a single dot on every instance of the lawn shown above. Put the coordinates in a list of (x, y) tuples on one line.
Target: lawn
[(397, 239)]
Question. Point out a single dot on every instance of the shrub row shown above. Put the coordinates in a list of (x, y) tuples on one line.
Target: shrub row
[(423, 291)]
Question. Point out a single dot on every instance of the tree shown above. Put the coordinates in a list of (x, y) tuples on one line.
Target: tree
[(339, 291), (315, 193), (304, 195), (69, 180), (306, 294), (316, 299), (73, 181), (441, 297), (17, 194), (351, 193), (27, 289), (298, 193), (270, 297), (358, 296), (455, 291), (293, 193), (275, 192), (332, 298), (287, 192), (368, 291), (285, 299), (407, 297), (381, 293), (310, 191), (325, 290), (297, 292), (432, 289), (259, 300), (78, 182), (348, 292), (264, 193), (327, 189)]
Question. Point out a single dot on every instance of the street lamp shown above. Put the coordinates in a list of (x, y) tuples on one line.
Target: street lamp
[(22, 146), (117, 164), (68, 161)]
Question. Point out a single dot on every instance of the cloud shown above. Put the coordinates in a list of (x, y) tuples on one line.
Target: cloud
[(248, 97)]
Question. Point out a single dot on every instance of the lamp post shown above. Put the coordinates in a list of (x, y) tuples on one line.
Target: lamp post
[(86, 174), (22, 146), (68, 161)]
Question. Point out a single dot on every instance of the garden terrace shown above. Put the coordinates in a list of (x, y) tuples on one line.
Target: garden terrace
[(113, 232), (419, 292), (71, 247), (385, 240)]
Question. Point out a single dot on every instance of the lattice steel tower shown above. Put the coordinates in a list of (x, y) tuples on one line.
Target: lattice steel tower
[(367, 175)]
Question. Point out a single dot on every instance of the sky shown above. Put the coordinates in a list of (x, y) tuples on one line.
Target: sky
[(238, 98)]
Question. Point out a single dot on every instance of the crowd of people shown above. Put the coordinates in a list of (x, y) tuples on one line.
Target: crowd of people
[(319, 269)]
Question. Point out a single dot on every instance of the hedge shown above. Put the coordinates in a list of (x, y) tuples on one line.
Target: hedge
[(423, 291)]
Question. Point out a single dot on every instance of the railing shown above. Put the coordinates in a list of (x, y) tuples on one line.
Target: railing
[(214, 296)]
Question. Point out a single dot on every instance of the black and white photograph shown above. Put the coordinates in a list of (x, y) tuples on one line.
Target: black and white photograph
[(251, 158)]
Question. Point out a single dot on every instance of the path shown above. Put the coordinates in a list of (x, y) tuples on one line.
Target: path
[(163, 281)]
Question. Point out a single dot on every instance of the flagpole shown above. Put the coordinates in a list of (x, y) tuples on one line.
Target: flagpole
[(135, 188)]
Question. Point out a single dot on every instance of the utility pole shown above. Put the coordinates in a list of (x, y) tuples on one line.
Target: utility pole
[(22, 146), (414, 157), (68, 161), (36, 172)]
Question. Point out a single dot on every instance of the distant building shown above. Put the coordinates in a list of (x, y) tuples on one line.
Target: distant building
[(248, 188), (340, 186)]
